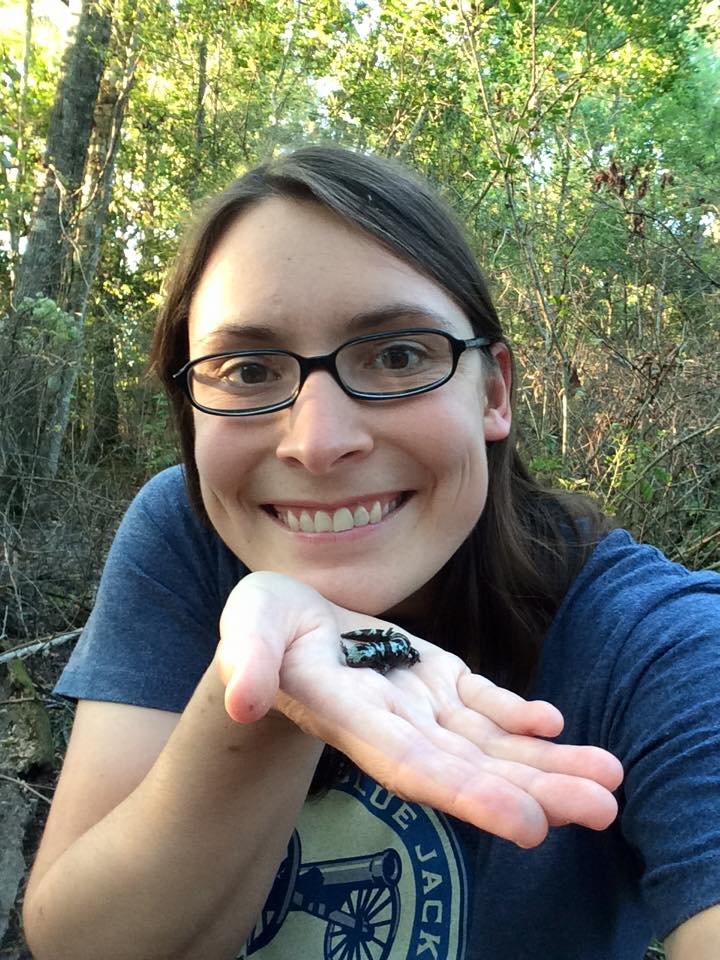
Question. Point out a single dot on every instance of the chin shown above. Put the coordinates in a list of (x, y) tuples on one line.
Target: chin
[(371, 597)]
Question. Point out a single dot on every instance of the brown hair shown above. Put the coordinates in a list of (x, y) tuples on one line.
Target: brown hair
[(501, 590)]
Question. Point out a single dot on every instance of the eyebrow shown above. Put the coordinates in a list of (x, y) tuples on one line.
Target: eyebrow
[(363, 322)]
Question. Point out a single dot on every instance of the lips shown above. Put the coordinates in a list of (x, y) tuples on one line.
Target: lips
[(356, 513)]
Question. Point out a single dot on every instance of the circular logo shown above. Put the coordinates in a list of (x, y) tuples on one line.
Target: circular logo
[(367, 876)]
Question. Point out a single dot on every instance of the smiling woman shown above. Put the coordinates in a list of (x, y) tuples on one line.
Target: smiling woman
[(351, 495), (305, 272)]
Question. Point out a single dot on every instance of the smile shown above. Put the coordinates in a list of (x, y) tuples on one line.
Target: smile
[(354, 514)]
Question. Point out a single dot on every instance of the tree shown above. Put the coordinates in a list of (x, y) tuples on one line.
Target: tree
[(44, 335)]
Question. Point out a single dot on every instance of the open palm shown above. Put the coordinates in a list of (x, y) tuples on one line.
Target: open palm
[(434, 733)]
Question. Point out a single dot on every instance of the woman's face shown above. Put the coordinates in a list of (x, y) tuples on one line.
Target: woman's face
[(298, 276)]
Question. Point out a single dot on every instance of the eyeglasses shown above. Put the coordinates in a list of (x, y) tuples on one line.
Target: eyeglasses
[(380, 366)]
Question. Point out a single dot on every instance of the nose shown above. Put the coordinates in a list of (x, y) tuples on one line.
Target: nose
[(325, 427)]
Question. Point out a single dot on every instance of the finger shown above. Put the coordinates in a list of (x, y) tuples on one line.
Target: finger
[(592, 763), (564, 798), (252, 688), (412, 766), (253, 636), (396, 752), (507, 709), (569, 799)]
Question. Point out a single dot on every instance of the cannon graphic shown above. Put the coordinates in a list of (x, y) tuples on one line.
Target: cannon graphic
[(357, 897)]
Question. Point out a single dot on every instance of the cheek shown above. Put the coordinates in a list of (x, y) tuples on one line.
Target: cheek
[(457, 460), (221, 453), (448, 434)]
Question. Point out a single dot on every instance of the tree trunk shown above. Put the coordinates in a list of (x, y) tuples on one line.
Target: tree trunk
[(105, 409), (48, 250), (97, 192), (15, 220), (45, 332), (200, 132)]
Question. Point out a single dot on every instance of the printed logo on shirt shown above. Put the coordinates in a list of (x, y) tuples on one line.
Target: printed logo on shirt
[(367, 876)]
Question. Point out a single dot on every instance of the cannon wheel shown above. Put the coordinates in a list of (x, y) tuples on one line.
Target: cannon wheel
[(279, 899), (376, 912)]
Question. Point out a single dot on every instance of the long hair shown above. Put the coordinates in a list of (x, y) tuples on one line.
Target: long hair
[(500, 591)]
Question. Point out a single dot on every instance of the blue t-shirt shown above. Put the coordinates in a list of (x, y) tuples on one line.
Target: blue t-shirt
[(631, 660)]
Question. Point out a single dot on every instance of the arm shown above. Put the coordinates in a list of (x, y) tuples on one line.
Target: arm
[(185, 844), (697, 938), (656, 670), (188, 851)]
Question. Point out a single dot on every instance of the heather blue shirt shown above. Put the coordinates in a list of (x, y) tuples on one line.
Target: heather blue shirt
[(631, 660)]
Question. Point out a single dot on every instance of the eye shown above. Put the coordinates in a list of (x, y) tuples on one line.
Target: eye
[(248, 372), (400, 356)]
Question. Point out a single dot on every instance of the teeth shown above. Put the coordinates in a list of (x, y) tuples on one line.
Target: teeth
[(323, 522), (361, 517), (343, 519)]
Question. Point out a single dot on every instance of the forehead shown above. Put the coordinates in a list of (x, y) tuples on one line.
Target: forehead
[(302, 274)]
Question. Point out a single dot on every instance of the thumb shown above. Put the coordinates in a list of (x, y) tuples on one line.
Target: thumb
[(253, 639), (251, 679)]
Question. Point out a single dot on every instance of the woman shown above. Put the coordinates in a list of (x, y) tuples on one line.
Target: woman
[(343, 394)]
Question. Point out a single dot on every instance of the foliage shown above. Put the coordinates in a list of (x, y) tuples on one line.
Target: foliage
[(579, 142), (25, 102)]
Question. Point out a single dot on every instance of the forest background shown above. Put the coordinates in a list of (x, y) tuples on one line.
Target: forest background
[(579, 140)]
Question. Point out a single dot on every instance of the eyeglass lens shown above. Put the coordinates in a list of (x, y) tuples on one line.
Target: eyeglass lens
[(383, 367)]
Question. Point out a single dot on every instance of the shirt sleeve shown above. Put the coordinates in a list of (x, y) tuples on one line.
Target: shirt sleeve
[(154, 627), (662, 719)]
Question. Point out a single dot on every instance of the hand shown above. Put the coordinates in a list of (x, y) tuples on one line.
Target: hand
[(434, 733)]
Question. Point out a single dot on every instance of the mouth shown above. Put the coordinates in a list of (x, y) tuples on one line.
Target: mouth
[(337, 519)]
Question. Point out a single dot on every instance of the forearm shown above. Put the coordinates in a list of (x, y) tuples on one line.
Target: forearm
[(204, 831)]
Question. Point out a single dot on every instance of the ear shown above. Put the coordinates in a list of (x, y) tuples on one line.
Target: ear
[(497, 418)]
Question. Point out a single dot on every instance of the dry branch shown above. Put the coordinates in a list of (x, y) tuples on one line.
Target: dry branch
[(37, 646)]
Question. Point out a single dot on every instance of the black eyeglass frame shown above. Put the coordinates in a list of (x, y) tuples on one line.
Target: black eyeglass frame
[(328, 362)]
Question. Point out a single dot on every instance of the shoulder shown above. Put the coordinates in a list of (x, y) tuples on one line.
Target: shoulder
[(631, 661), (164, 498), (624, 582), (636, 644), (162, 536), (633, 627), (619, 554), (162, 509), (154, 626)]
